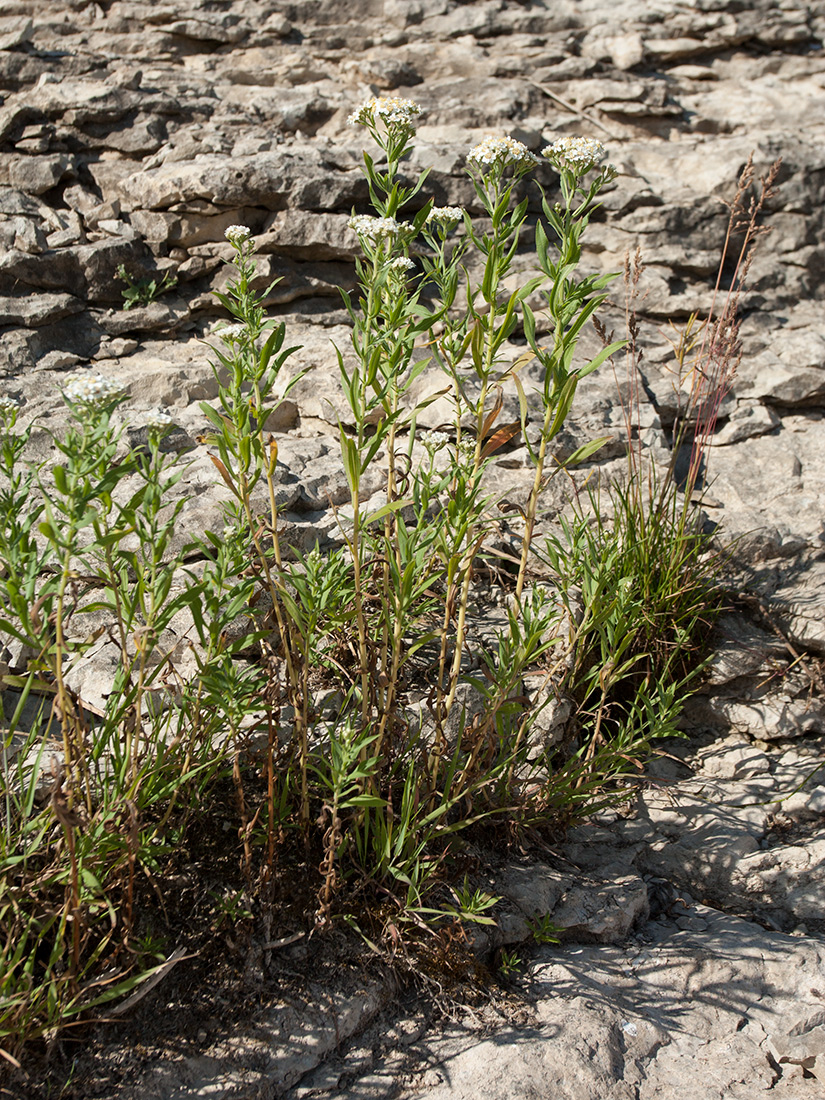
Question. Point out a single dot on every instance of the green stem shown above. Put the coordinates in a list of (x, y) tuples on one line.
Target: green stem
[(62, 693), (532, 505), (363, 654), (461, 624)]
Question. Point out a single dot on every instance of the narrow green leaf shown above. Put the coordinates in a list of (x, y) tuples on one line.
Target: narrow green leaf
[(584, 452), (597, 361)]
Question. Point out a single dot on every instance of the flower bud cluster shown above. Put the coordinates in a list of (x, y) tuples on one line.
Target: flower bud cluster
[(446, 214), (8, 404), (434, 441), (501, 151), (158, 421), (373, 229), (238, 234), (232, 333), (577, 154), (90, 390), (391, 110)]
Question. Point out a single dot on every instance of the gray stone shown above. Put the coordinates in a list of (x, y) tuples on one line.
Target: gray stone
[(38, 310), (35, 175), (14, 32), (692, 1013), (271, 180), (582, 909)]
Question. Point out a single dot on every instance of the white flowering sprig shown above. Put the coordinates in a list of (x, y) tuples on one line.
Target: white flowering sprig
[(498, 153), (9, 410), (236, 333), (447, 216), (569, 305), (384, 241), (576, 154), (434, 441), (158, 421), (392, 111), (575, 158), (371, 230), (253, 355), (239, 236), (443, 271), (86, 391), (401, 267), (495, 164), (240, 335), (158, 424), (390, 121)]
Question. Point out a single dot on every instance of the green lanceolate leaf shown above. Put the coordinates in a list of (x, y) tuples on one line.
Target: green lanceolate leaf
[(349, 455), (597, 361), (581, 454)]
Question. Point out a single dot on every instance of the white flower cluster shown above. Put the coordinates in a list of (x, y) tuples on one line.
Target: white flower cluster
[(232, 333), (372, 229), (403, 263), (501, 150), (90, 390), (391, 110), (446, 214), (578, 154), (237, 234), (158, 421), (8, 404), (433, 441)]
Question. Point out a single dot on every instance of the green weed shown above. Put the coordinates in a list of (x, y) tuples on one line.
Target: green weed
[(261, 699), (142, 292)]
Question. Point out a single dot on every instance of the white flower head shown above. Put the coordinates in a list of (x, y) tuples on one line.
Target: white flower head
[(8, 404), (466, 449), (232, 334), (238, 234), (91, 391), (577, 154), (434, 441), (445, 215), (501, 151), (391, 110), (158, 421), (402, 263), (373, 229)]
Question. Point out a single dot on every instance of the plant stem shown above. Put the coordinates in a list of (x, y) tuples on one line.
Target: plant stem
[(532, 504)]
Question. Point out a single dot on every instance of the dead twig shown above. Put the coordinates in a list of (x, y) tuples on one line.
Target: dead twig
[(177, 955), (568, 106)]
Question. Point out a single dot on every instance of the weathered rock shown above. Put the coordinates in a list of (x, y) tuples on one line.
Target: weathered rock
[(38, 310), (712, 834), (34, 175), (676, 1012), (581, 909), (272, 180)]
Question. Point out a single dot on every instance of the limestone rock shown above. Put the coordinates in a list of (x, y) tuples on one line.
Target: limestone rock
[(682, 1012)]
